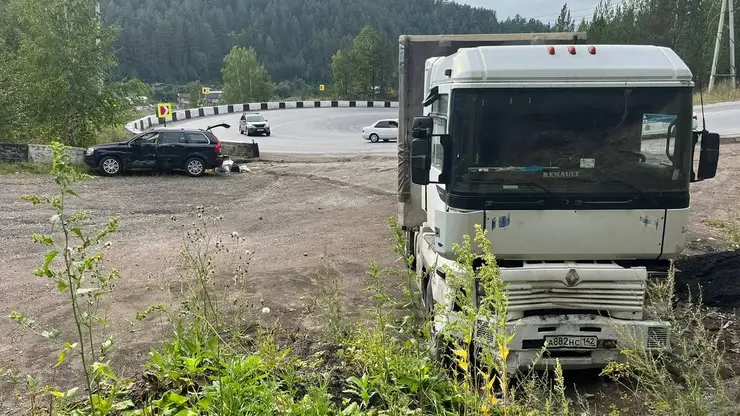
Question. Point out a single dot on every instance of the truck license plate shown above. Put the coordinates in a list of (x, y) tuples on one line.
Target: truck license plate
[(565, 341)]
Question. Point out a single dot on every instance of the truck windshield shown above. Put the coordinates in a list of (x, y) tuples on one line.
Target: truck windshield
[(582, 140)]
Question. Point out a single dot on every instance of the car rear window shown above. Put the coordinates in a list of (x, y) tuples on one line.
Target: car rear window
[(197, 138), (211, 136)]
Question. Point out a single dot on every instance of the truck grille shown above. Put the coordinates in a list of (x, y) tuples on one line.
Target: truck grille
[(596, 295)]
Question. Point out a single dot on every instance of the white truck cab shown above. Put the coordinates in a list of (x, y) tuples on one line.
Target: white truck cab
[(577, 160)]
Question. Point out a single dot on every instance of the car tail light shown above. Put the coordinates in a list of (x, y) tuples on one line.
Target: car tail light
[(218, 143)]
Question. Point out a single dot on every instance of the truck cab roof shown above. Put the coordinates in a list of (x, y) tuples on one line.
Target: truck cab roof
[(542, 63)]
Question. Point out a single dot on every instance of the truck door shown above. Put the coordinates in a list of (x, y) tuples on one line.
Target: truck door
[(172, 150)]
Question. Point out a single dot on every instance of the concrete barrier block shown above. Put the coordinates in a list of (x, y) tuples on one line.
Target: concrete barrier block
[(38, 153), (13, 153), (240, 151)]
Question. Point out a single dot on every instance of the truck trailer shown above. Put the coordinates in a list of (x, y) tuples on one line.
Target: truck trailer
[(540, 139)]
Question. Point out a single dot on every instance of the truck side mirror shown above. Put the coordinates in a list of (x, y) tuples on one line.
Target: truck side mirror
[(708, 156), (421, 161), (422, 127)]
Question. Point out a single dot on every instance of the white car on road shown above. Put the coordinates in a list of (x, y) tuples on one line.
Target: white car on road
[(253, 123), (385, 129)]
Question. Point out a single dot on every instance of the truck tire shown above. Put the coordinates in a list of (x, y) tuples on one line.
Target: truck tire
[(441, 349), (410, 243)]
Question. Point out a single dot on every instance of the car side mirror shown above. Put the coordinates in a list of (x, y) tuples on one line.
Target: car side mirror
[(421, 128), (421, 162), (708, 156)]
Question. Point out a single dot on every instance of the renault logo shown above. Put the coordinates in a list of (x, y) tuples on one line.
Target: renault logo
[(572, 278)]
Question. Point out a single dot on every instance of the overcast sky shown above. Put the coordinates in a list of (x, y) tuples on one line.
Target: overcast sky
[(545, 10)]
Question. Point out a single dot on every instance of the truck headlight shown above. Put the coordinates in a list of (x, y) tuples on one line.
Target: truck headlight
[(89, 151)]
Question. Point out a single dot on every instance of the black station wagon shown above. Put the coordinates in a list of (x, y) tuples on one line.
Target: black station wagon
[(191, 150)]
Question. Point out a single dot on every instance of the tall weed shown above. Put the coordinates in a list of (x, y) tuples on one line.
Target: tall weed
[(73, 263), (690, 377)]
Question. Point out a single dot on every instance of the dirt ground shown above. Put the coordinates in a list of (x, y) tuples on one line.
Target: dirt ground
[(292, 215), (295, 212)]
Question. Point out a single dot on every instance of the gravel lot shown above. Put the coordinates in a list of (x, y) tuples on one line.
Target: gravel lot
[(292, 214), (293, 211)]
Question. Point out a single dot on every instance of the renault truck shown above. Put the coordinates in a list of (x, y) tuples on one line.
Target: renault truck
[(541, 139)]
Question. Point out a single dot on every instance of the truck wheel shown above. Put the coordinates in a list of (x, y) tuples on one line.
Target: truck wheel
[(374, 138), (410, 235), (195, 166), (109, 165)]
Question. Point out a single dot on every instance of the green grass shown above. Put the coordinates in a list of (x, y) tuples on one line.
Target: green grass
[(24, 168), (113, 134), (722, 92)]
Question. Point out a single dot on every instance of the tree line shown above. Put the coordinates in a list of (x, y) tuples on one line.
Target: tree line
[(689, 27), (179, 41)]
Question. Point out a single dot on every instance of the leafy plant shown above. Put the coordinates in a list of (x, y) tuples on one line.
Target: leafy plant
[(689, 377), (74, 265)]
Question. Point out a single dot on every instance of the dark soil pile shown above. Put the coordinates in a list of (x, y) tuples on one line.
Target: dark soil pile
[(715, 275)]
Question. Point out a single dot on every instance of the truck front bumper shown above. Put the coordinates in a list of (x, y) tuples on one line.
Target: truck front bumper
[(577, 341)]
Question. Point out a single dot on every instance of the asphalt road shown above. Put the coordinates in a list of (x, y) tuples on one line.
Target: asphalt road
[(722, 118), (338, 130), (307, 130)]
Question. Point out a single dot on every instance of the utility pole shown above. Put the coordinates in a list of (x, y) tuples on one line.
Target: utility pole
[(732, 41), (718, 42)]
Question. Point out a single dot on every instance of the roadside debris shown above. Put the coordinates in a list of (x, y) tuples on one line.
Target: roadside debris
[(229, 166)]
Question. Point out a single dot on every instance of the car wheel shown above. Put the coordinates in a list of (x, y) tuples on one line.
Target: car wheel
[(374, 138), (267, 134), (109, 165), (195, 166)]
